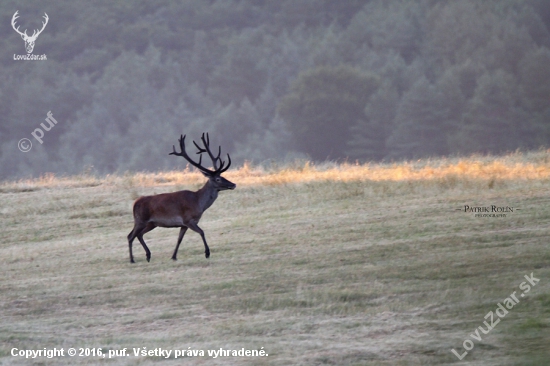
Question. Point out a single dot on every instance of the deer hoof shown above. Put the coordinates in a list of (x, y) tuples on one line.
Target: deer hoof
[(207, 254), (174, 258)]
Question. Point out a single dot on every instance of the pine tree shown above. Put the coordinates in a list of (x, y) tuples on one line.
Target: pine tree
[(420, 123), (368, 136), (492, 123), (322, 106)]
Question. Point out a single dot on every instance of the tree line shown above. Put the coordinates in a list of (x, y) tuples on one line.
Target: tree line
[(272, 80)]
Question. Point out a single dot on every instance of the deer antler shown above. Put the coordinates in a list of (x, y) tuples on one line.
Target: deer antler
[(36, 32), (217, 170), (46, 18), (15, 16), (206, 143)]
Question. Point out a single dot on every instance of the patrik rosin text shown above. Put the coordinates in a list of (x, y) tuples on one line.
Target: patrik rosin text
[(492, 208)]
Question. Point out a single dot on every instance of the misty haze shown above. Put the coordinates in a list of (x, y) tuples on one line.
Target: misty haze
[(272, 81)]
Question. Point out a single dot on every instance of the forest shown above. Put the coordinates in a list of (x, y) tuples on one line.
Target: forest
[(271, 81)]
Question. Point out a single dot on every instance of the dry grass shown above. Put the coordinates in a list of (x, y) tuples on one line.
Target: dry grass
[(320, 265), (516, 166)]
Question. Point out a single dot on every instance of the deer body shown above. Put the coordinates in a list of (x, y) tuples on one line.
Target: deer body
[(181, 209), (174, 209)]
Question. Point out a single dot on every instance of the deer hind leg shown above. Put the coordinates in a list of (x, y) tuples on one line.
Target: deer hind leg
[(131, 237), (180, 238), (150, 226), (193, 226)]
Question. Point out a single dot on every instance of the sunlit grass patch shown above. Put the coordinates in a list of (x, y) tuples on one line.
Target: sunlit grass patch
[(445, 172)]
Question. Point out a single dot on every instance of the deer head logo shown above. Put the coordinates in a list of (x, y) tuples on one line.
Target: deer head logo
[(29, 40)]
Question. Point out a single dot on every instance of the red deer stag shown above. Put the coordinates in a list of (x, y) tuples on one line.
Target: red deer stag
[(181, 209)]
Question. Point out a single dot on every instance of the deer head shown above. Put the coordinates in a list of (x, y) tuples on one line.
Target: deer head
[(217, 181), (29, 40)]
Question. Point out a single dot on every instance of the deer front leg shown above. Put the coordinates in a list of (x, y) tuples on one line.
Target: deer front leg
[(193, 226), (180, 237)]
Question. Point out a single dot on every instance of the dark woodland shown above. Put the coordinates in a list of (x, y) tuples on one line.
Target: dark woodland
[(364, 80)]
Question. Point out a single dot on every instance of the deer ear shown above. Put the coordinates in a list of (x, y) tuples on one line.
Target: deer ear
[(205, 174)]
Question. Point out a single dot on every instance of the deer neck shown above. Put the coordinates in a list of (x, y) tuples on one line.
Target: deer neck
[(207, 195)]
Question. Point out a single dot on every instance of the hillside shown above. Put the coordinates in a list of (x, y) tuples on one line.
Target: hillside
[(367, 80), (375, 264)]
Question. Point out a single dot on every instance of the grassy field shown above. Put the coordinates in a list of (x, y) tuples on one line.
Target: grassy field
[(375, 264)]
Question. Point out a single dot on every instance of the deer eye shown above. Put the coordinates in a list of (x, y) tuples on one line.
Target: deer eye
[(218, 180)]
